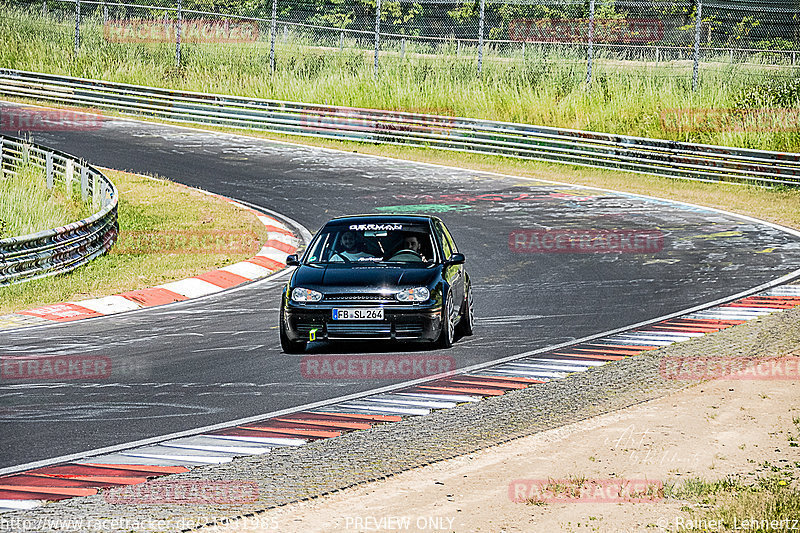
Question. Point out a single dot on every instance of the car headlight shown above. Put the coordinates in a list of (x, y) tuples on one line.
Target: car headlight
[(417, 294), (305, 295)]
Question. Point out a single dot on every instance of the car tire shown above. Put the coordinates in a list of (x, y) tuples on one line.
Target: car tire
[(447, 333), (287, 344), (466, 325)]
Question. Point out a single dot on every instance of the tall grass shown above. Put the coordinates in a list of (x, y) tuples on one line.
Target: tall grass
[(546, 88), (28, 206)]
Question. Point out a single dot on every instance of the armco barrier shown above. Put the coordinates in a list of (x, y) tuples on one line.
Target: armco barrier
[(58, 250), (620, 152)]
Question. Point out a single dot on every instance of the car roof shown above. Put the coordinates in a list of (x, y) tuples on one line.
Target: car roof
[(379, 218)]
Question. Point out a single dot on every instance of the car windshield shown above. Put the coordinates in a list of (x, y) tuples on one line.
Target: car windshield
[(369, 243)]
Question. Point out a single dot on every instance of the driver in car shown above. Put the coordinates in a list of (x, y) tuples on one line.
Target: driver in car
[(350, 250), (411, 242)]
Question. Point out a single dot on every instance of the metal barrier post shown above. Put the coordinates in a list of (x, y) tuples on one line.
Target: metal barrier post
[(69, 175), (95, 190), (273, 30), (77, 25), (590, 49), (377, 36), (403, 49), (48, 157), (178, 38), (84, 182), (480, 35), (697, 25)]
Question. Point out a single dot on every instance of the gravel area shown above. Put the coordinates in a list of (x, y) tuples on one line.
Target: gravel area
[(293, 474)]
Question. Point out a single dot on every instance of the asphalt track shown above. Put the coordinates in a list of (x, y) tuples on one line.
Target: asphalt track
[(216, 359)]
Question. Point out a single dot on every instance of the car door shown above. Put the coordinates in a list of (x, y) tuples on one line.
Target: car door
[(454, 274)]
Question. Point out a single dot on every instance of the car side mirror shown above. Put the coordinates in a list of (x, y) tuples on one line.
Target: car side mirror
[(456, 259), (292, 260)]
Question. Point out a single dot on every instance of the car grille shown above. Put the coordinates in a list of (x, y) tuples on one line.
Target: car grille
[(374, 329), (363, 297)]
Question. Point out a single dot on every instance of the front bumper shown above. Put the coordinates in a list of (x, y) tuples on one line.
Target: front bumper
[(400, 322)]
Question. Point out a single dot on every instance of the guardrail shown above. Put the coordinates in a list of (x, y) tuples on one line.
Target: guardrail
[(58, 250), (621, 152)]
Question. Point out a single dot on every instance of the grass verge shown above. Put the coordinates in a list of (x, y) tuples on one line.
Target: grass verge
[(28, 206), (167, 232), (772, 503)]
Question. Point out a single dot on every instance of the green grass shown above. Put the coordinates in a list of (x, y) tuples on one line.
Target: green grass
[(544, 89), (28, 206), (730, 502), (161, 224)]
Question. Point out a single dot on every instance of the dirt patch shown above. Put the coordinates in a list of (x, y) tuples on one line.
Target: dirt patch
[(711, 431)]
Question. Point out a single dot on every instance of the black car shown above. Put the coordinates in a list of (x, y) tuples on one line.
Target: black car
[(377, 277)]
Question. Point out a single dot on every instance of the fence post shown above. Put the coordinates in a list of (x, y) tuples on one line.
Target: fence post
[(84, 181), (49, 168), (403, 48), (178, 37), (377, 36), (590, 49), (697, 25), (77, 25), (105, 14), (341, 41), (69, 175), (273, 30), (480, 35), (2, 160), (44, 8)]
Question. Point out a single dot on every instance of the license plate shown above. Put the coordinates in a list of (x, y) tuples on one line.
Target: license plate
[(360, 313)]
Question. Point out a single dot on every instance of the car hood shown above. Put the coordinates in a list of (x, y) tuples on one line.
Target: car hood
[(340, 278)]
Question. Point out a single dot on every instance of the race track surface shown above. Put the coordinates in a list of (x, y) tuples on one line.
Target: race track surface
[(216, 359)]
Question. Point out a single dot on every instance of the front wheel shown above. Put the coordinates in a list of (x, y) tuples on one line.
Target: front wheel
[(447, 334), (287, 344)]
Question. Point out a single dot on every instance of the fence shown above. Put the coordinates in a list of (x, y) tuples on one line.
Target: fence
[(58, 250), (680, 37), (621, 152)]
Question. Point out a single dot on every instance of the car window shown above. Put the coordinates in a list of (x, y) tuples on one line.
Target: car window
[(442, 237), (372, 243), (449, 239)]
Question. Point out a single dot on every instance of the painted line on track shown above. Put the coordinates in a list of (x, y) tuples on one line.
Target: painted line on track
[(32, 484)]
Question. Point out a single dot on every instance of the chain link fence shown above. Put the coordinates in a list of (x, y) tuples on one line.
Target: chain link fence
[(660, 38)]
